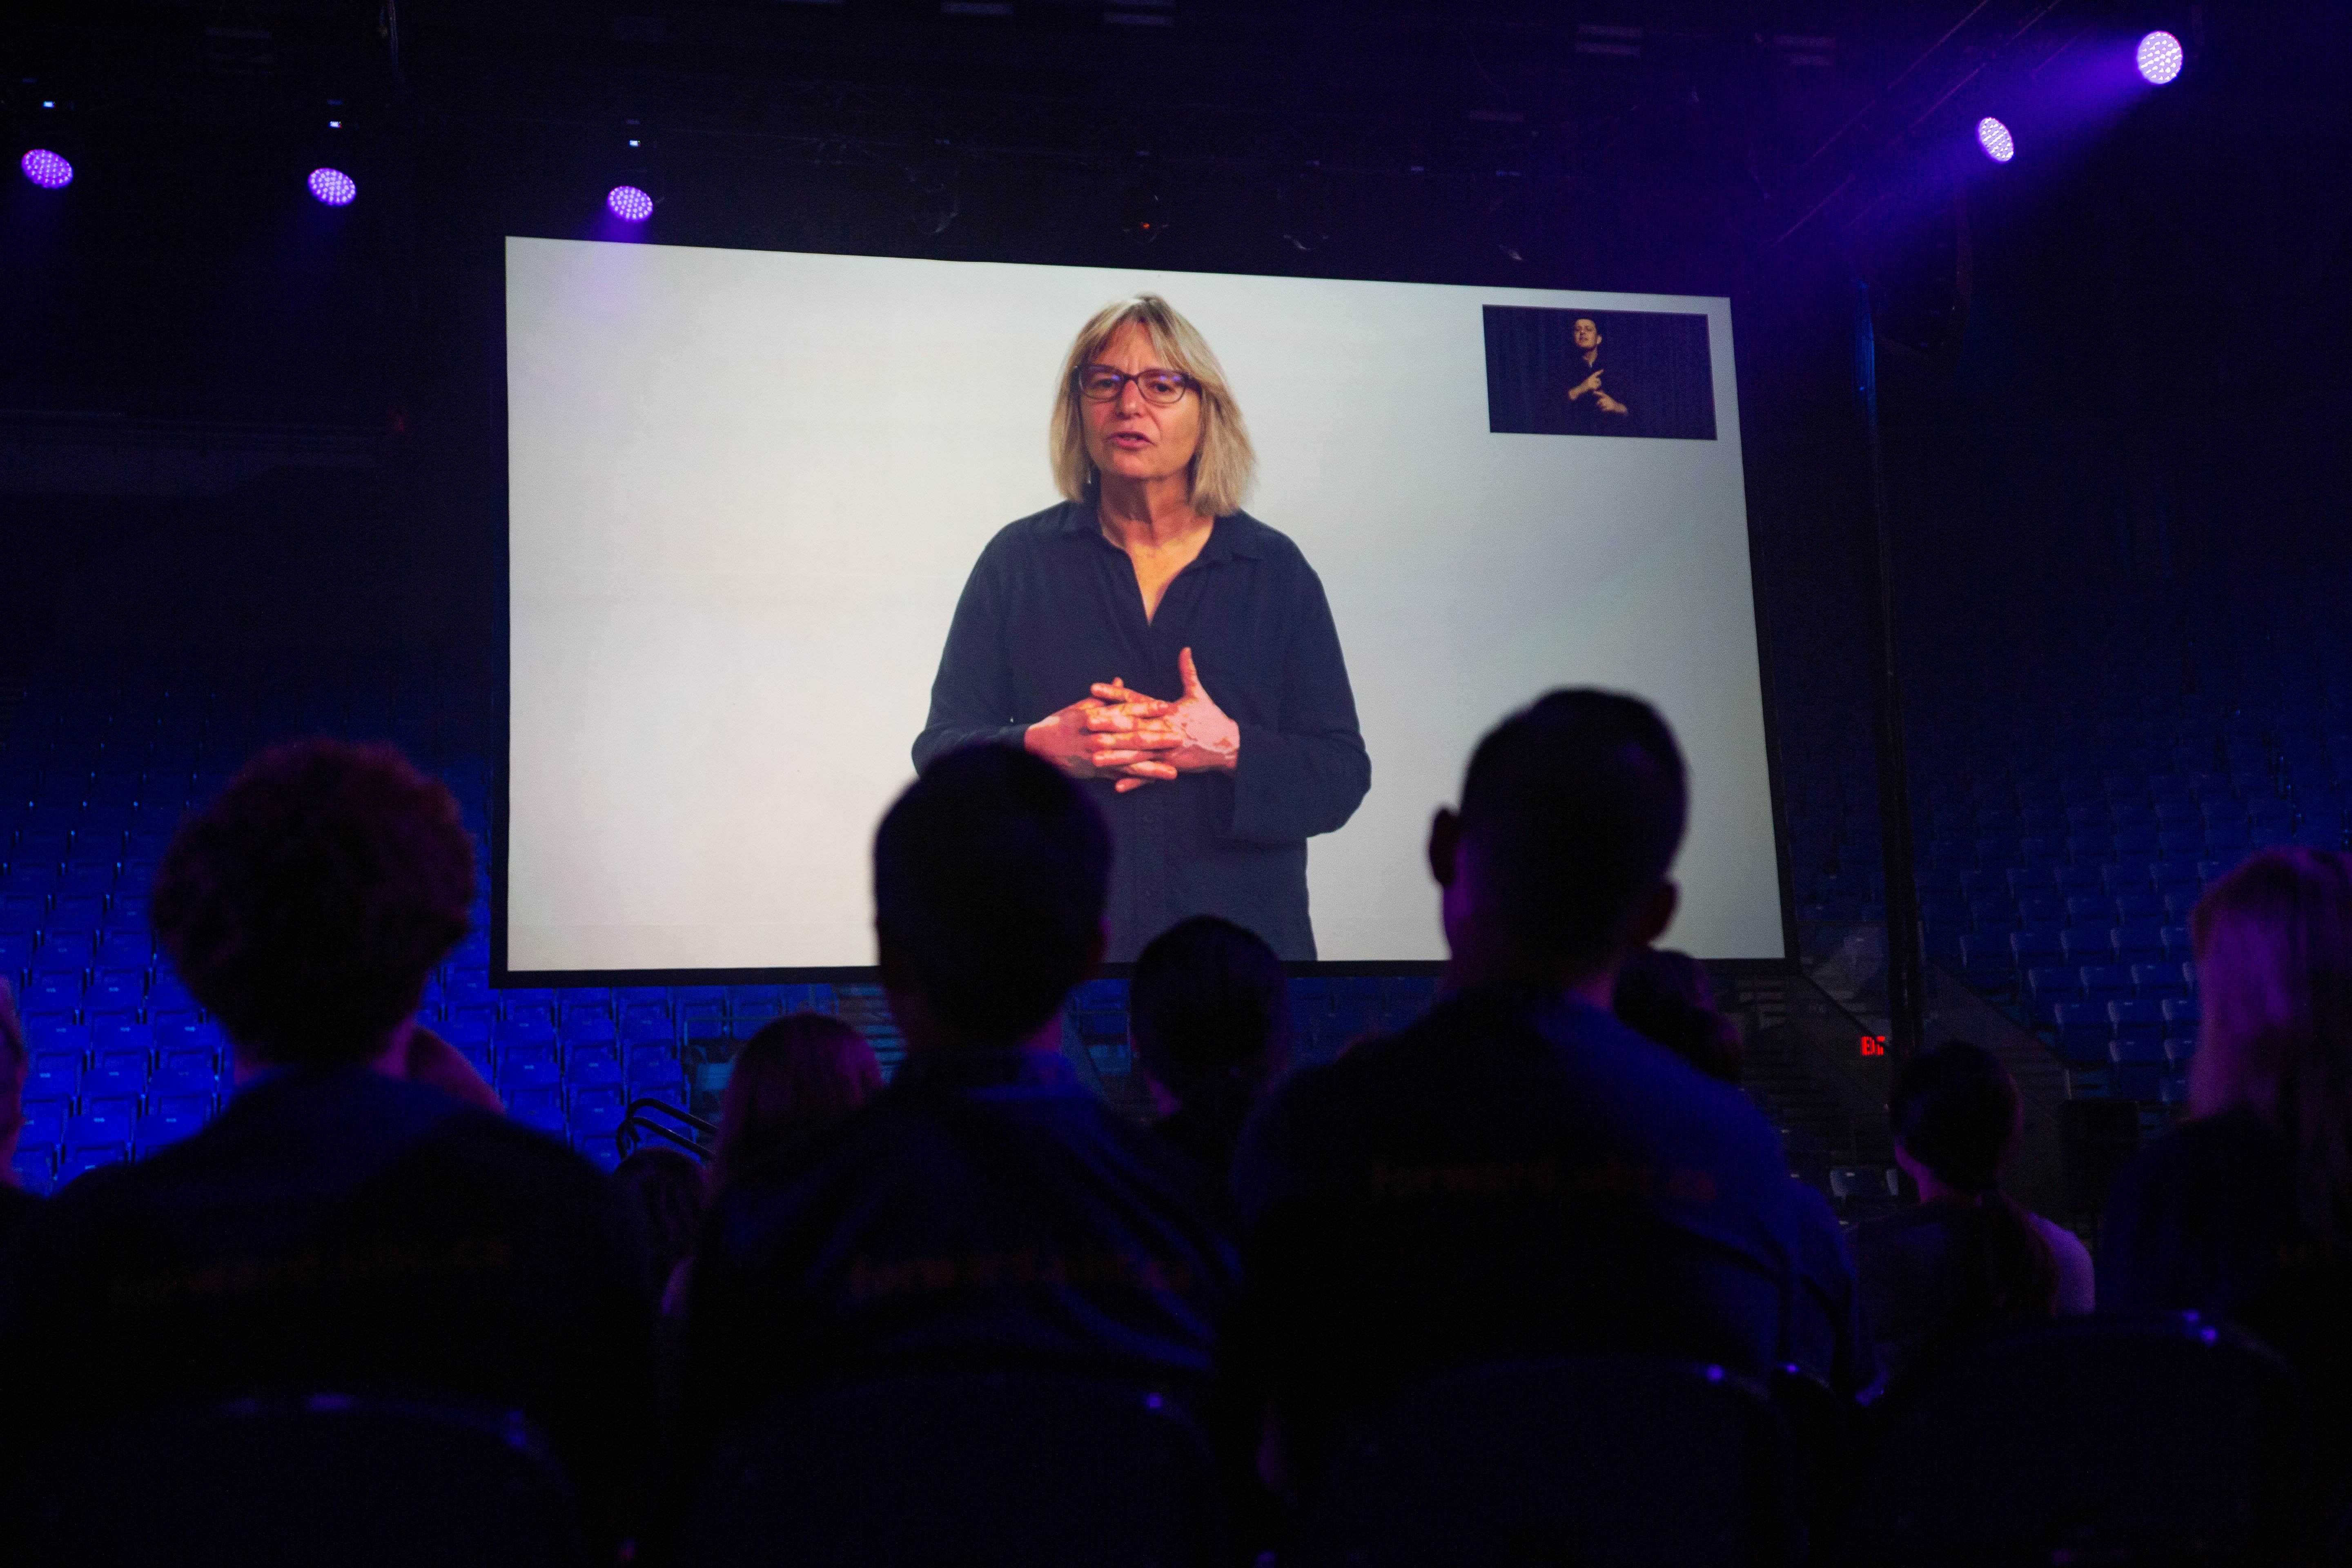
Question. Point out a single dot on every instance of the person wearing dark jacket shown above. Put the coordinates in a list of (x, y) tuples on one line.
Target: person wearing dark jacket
[(1156, 641), (2244, 1213), (1965, 1258), (1208, 1012), (1519, 1174), (984, 1211), (345, 1226)]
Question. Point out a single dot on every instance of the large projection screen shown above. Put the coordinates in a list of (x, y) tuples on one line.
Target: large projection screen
[(745, 489)]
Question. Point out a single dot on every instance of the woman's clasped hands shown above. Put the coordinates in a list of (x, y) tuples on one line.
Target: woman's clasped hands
[(1120, 733)]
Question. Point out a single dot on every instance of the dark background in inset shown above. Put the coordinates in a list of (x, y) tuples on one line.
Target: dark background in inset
[(1656, 364)]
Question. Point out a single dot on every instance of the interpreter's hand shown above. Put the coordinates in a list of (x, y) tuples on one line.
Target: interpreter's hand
[(1589, 383), (1607, 403), (1159, 739), (1064, 738)]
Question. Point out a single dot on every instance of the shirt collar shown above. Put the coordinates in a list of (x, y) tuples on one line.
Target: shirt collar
[(1236, 534)]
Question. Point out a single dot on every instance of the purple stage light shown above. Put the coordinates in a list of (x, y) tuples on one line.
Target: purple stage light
[(2159, 58), (1996, 141), (46, 169), (334, 188), (629, 204)]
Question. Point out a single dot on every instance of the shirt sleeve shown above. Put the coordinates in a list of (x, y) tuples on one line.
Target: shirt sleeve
[(972, 696), (1307, 775)]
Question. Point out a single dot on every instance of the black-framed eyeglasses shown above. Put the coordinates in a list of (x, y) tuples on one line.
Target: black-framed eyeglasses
[(1101, 384)]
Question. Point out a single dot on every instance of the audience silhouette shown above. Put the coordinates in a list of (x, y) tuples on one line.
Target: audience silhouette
[(1520, 1173), (985, 1211), (2244, 1212), (1524, 1173), (1209, 1009), (339, 1229), (1967, 1256), (1663, 995)]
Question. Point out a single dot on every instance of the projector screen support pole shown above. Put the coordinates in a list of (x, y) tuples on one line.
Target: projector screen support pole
[(1906, 994)]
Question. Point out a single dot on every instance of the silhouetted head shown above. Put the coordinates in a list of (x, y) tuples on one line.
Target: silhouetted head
[(2274, 941), (1209, 1008), (797, 1076), (305, 905), (1956, 1111), (1663, 995), (990, 874), (1572, 811)]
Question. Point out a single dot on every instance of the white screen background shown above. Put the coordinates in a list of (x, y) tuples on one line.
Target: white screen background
[(745, 488)]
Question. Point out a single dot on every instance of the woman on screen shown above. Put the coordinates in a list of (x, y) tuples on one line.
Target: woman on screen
[(1152, 639)]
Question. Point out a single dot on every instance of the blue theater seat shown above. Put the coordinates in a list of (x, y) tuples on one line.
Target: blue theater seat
[(2086, 944), (45, 1122), (2177, 941), (53, 1074), (601, 1149), (120, 948), (465, 1028), (2138, 943), (590, 1064), (2090, 909), (116, 1074), (1994, 913), (53, 990), (2042, 850), (588, 1028), (542, 1107), (467, 987), (2043, 911), (2140, 906), (107, 1119), (83, 1157), (36, 1168), (2083, 1031), (650, 1065), (2106, 982), (116, 990), (2138, 1019), (530, 1027), (2140, 1068), (2033, 948), (527, 1065), (2086, 877), (186, 1070), (77, 912), (647, 1030), (596, 1110)]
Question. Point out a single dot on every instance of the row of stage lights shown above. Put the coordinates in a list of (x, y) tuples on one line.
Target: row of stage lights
[(2159, 59), (329, 186), (51, 172)]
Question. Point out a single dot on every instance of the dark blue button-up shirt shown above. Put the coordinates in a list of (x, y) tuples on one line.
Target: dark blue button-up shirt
[(1052, 607)]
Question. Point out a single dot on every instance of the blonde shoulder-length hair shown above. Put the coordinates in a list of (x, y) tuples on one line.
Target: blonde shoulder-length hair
[(1225, 463)]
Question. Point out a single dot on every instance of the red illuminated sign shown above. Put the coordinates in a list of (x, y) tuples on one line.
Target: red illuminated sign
[(1874, 1045)]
